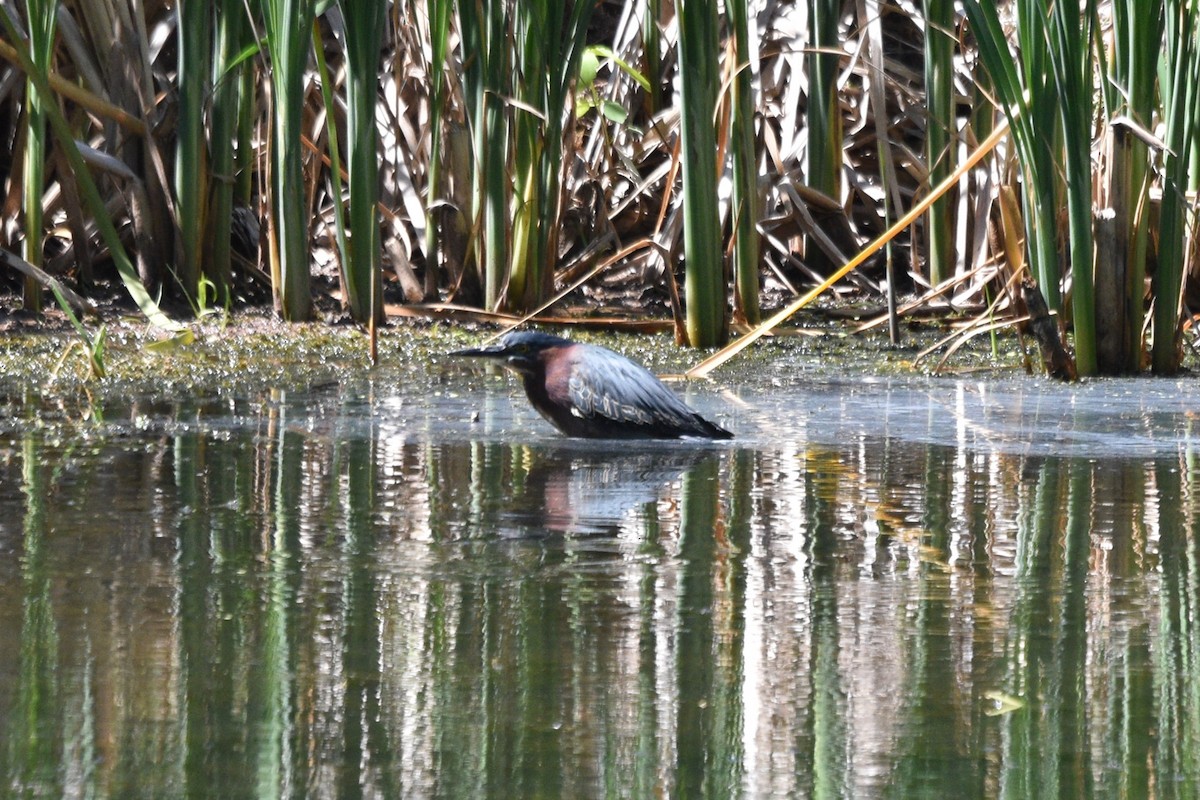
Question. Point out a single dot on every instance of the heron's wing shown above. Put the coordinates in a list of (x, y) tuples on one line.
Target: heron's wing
[(606, 385)]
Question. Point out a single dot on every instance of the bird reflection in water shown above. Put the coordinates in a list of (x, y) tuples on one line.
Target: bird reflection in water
[(593, 491)]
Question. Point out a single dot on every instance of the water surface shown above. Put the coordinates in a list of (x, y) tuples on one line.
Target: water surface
[(880, 588)]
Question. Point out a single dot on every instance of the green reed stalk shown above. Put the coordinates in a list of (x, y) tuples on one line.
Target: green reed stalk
[(704, 283), (1070, 59), (531, 64), (364, 32), (550, 38), (651, 47), (940, 149), (335, 151), (871, 20), (472, 31), (747, 242), (439, 35), (1040, 154), (41, 15), (494, 149), (1022, 88), (824, 114), (287, 24), (1137, 33), (1181, 103), (227, 102), (87, 187), (486, 40), (246, 155), (191, 154)]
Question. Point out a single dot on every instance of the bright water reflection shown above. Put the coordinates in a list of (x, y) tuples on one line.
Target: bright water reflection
[(933, 590)]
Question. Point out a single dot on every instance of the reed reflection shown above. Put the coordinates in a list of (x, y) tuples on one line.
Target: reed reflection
[(348, 608)]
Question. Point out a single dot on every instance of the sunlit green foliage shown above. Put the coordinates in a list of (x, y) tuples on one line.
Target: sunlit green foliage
[(513, 147)]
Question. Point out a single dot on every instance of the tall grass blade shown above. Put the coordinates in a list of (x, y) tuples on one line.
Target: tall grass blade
[(652, 52), (287, 24), (1070, 59), (227, 103), (704, 273), (40, 18), (364, 22), (746, 204), (335, 152), (440, 12), (529, 138), (824, 114), (246, 155), (484, 37), (941, 125), (191, 152), (869, 12)]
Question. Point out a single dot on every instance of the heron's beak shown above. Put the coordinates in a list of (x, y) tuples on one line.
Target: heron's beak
[(490, 351)]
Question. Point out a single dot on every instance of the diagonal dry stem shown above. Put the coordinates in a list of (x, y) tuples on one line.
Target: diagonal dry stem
[(724, 354)]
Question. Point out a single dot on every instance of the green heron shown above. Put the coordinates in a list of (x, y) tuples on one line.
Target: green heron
[(588, 391)]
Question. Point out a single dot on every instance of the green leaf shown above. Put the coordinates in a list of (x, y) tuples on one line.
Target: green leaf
[(248, 52), (599, 51), (614, 111), (589, 65), (182, 339), (96, 353)]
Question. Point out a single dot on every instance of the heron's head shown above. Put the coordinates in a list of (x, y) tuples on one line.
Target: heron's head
[(520, 351)]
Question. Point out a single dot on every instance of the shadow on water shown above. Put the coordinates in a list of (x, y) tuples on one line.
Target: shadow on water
[(898, 591)]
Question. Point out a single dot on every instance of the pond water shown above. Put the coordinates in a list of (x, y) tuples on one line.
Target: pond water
[(881, 588)]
